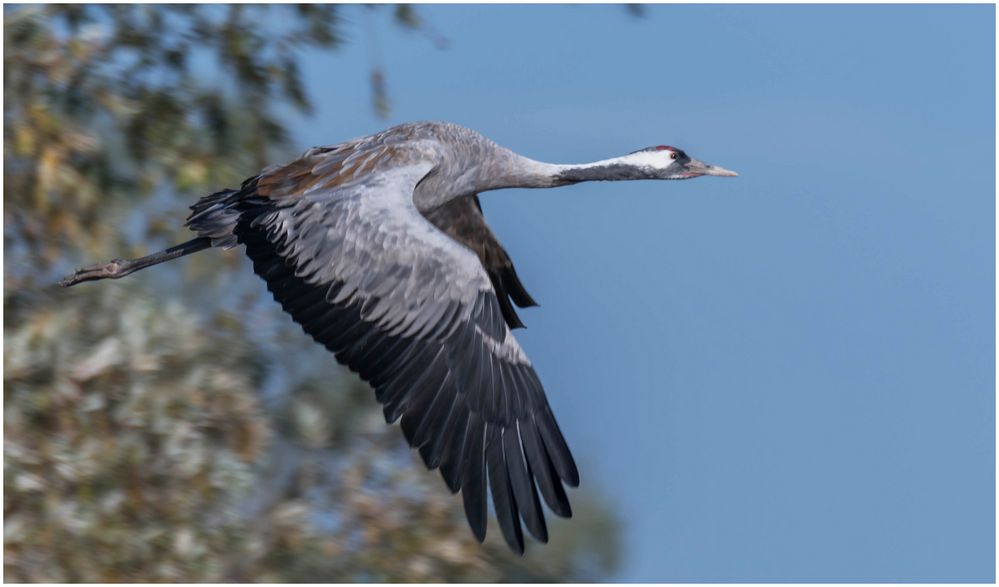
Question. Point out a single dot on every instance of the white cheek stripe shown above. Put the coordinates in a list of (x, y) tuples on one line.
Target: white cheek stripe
[(649, 159), (653, 159)]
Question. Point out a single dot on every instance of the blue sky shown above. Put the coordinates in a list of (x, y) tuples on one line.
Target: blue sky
[(785, 376)]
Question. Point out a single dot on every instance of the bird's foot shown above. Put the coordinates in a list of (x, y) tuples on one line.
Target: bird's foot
[(111, 270)]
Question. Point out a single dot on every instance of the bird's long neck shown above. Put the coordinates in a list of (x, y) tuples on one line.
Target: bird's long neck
[(481, 164), (528, 173)]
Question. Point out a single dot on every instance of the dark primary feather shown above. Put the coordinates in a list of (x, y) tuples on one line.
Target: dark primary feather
[(442, 361)]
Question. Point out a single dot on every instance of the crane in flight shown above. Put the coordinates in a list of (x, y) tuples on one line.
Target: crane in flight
[(378, 248)]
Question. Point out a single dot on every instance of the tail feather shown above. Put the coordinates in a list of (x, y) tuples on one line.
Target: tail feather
[(215, 217)]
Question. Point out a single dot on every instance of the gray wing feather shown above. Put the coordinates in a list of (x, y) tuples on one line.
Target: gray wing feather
[(414, 312), (371, 241)]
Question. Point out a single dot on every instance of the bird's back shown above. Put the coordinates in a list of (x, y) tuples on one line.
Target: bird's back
[(328, 168)]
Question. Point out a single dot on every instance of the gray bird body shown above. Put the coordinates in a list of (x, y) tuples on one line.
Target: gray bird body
[(378, 248)]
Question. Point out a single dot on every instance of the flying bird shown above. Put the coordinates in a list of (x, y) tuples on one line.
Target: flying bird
[(378, 248)]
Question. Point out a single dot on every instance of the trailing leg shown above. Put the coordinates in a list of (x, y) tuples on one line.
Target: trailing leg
[(121, 267)]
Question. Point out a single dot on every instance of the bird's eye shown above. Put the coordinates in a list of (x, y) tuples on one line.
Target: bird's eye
[(673, 155)]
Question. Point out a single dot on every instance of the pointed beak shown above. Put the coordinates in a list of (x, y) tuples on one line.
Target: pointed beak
[(702, 168)]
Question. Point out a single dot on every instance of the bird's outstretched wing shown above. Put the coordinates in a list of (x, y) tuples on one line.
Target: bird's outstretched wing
[(462, 220), (415, 314)]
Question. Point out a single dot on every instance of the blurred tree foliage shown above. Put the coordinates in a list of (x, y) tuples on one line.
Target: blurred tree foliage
[(152, 433)]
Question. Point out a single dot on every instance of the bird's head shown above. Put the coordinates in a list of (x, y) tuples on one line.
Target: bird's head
[(659, 162), (666, 162)]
